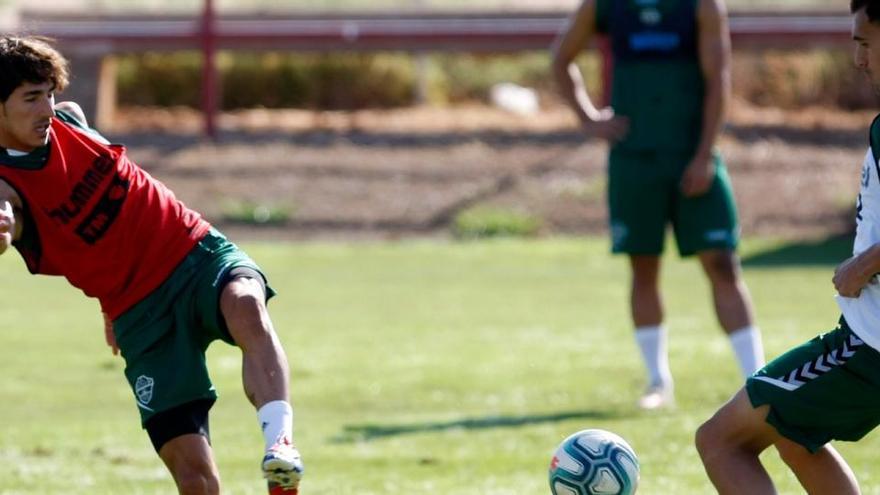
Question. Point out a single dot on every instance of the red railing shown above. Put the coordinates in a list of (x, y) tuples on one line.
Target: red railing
[(411, 32), (434, 31)]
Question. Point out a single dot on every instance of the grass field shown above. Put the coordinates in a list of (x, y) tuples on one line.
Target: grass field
[(419, 368)]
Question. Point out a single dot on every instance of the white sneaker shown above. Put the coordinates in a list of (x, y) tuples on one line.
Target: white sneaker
[(657, 397), (283, 467)]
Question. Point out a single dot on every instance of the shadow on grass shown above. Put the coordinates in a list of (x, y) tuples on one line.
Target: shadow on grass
[(830, 251), (356, 433)]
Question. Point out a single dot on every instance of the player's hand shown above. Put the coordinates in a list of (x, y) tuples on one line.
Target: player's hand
[(109, 336), (7, 225), (698, 176), (606, 125), (850, 277)]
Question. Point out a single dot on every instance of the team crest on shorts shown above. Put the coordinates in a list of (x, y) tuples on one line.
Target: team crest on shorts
[(143, 388)]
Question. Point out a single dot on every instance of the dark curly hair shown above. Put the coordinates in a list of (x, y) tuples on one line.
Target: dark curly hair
[(872, 8), (30, 59)]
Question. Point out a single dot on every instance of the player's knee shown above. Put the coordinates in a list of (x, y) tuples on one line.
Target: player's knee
[(714, 440), (197, 478), (707, 439), (722, 267), (645, 270)]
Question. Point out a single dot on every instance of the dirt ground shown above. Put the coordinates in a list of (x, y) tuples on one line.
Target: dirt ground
[(407, 173)]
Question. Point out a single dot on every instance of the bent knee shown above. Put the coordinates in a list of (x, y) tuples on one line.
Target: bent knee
[(722, 433), (709, 437)]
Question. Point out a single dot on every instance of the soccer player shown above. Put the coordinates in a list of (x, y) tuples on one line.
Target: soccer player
[(168, 283), (670, 88), (829, 387)]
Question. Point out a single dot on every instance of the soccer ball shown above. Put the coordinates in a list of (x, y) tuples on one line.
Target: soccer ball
[(594, 462)]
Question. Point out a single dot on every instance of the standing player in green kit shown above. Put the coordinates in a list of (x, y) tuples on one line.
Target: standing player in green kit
[(168, 283), (670, 88)]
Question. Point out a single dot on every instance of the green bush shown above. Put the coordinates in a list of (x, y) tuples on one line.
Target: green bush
[(481, 222), (160, 79), (465, 77), (330, 81), (791, 79), (348, 81), (361, 81), (267, 80), (272, 80)]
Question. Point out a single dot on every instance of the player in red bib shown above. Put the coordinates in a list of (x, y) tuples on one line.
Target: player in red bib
[(168, 283)]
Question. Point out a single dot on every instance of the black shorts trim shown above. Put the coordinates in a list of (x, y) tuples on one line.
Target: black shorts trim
[(244, 272), (185, 419)]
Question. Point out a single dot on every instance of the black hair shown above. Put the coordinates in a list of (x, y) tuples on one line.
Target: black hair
[(30, 59)]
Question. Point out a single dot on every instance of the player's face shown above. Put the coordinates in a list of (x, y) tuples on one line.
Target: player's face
[(25, 116), (866, 34)]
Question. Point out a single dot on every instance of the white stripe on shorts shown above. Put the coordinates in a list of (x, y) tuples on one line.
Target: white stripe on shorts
[(777, 383)]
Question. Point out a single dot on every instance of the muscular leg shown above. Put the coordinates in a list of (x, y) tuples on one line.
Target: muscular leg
[(730, 442), (821, 472), (265, 374), (191, 462), (647, 315), (265, 371), (645, 303), (733, 304), (729, 445)]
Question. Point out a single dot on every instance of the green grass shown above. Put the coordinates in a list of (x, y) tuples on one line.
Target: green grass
[(484, 222), (418, 368)]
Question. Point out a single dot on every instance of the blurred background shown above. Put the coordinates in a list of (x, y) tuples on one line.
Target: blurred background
[(433, 117)]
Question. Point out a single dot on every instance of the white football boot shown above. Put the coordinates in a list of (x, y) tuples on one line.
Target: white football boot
[(283, 467)]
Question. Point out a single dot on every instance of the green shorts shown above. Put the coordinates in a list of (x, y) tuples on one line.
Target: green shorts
[(163, 338), (644, 196), (826, 389)]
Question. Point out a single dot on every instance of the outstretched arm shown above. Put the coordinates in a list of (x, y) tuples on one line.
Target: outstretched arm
[(10, 216), (579, 32), (714, 52)]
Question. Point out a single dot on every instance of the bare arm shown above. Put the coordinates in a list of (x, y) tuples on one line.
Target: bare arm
[(714, 47), (580, 32), (851, 276), (577, 34), (10, 216), (714, 52), (109, 336)]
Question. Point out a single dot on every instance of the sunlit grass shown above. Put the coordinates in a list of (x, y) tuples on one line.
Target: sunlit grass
[(418, 368)]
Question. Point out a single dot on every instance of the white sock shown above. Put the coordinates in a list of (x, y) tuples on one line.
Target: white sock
[(748, 348), (652, 342), (276, 420)]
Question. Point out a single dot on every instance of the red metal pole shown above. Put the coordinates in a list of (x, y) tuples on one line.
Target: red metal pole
[(209, 70)]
